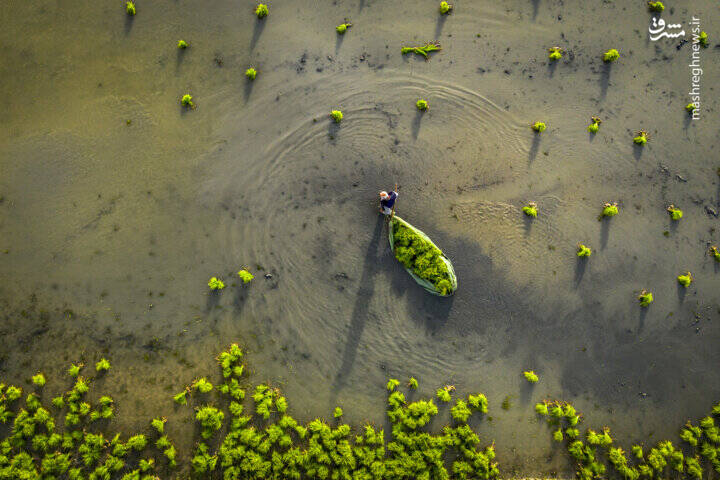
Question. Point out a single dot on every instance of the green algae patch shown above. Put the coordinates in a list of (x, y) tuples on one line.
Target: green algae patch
[(422, 259)]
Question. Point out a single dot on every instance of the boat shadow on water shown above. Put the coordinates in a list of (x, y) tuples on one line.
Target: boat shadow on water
[(372, 264)]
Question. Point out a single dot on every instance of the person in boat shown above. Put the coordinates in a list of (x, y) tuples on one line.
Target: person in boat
[(387, 202)]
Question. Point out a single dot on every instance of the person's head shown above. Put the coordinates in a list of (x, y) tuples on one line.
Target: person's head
[(384, 195)]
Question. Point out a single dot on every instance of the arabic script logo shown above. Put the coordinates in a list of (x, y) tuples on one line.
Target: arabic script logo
[(657, 30)]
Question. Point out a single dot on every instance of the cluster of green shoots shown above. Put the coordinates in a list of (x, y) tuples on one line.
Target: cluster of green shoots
[(422, 105), (342, 28), (420, 256), (251, 73), (261, 10), (611, 55), (216, 284), (583, 251), (530, 210), (538, 127), (245, 275), (641, 138), (186, 101), (531, 376), (665, 460), (103, 365), (130, 8), (690, 108), (656, 6), (645, 298), (182, 44), (609, 210), (272, 444), (445, 8), (675, 213), (336, 115), (424, 50), (685, 279), (715, 253), (555, 53), (59, 441), (703, 39), (443, 394), (595, 125)]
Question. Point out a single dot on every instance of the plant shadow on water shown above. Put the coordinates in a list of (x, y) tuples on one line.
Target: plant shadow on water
[(580, 267), (637, 151), (257, 31), (641, 317), (604, 79), (604, 233), (439, 26), (247, 90), (338, 42), (681, 292), (129, 19), (534, 148), (528, 224), (179, 58), (417, 122), (536, 6), (333, 129), (213, 300), (552, 66), (371, 267)]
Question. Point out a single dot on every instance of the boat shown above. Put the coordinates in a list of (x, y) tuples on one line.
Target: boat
[(443, 272)]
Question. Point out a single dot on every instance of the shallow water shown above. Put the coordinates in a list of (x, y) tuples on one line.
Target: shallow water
[(110, 230)]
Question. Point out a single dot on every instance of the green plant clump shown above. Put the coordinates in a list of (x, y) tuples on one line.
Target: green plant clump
[(555, 53), (530, 210), (421, 256), (685, 279), (422, 105), (182, 44), (39, 380), (530, 376), (74, 369), (261, 10), (251, 73), (538, 127), (583, 251), (611, 55), (210, 419), (445, 8), (336, 115), (690, 108), (216, 284), (595, 125), (479, 402), (130, 8), (342, 28), (645, 298), (703, 40), (413, 383), (609, 210), (186, 101), (641, 138), (245, 276), (103, 365), (675, 213), (656, 6), (444, 393), (202, 385), (715, 253), (424, 50)]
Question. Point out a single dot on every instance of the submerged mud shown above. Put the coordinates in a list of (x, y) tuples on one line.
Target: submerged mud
[(117, 205)]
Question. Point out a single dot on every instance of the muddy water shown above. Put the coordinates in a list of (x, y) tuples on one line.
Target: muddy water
[(110, 229)]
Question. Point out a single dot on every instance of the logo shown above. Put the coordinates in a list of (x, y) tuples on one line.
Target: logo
[(657, 30)]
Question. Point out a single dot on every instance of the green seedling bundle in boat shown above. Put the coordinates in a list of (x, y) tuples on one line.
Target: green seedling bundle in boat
[(422, 259)]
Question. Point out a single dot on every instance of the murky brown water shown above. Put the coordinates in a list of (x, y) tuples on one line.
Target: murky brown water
[(110, 231)]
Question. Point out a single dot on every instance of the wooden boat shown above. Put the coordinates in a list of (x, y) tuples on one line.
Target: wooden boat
[(426, 284)]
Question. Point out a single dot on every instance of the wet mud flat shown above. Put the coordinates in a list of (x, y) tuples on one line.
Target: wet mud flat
[(110, 230)]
